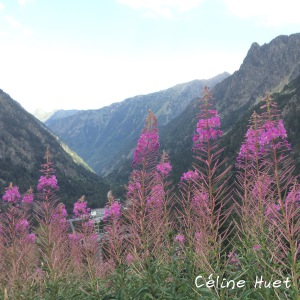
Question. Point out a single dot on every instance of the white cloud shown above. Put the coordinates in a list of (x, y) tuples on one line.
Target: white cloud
[(162, 8), (269, 13), (1, 6)]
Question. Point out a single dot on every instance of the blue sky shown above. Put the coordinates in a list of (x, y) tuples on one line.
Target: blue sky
[(87, 54)]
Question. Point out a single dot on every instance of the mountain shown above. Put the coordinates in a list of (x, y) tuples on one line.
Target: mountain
[(266, 68), (43, 115), (288, 102), (23, 141), (60, 114), (98, 136)]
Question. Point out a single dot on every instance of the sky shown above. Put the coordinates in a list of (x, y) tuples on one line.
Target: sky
[(75, 54)]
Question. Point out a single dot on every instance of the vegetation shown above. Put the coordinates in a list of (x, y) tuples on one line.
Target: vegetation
[(217, 238), (23, 140)]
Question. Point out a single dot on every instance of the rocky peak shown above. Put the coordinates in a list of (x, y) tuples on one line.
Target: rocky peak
[(281, 52), (266, 68), (253, 56)]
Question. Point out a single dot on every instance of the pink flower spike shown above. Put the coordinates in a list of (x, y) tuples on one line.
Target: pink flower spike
[(208, 126), (113, 211), (31, 238), (76, 237), (164, 168), (28, 197), (198, 236), (256, 247), (233, 258), (22, 225), (12, 194), (47, 183), (129, 258), (148, 143), (190, 175), (60, 214), (179, 238), (80, 208)]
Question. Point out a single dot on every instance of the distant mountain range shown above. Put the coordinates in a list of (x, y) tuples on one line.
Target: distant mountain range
[(43, 115), (99, 136), (23, 142), (106, 137), (272, 67)]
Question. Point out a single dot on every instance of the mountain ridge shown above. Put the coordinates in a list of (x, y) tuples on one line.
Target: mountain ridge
[(266, 68), (23, 142), (98, 135)]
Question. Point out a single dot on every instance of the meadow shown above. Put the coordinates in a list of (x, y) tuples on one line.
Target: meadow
[(210, 237)]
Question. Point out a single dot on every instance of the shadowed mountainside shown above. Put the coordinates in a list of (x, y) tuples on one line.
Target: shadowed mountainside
[(98, 136), (266, 68), (23, 141)]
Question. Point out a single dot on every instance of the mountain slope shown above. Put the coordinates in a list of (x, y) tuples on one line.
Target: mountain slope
[(99, 135), (265, 68), (23, 141)]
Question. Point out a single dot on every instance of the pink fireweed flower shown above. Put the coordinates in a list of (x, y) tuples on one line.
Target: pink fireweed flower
[(148, 142), (129, 258), (93, 237), (80, 209), (233, 258), (179, 238), (207, 129), (47, 183), (198, 236), (267, 132), (113, 211), (251, 148), (30, 238), (12, 194), (164, 168), (28, 197), (190, 175), (256, 247), (76, 237), (273, 134), (22, 225), (60, 214), (134, 186), (88, 225)]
